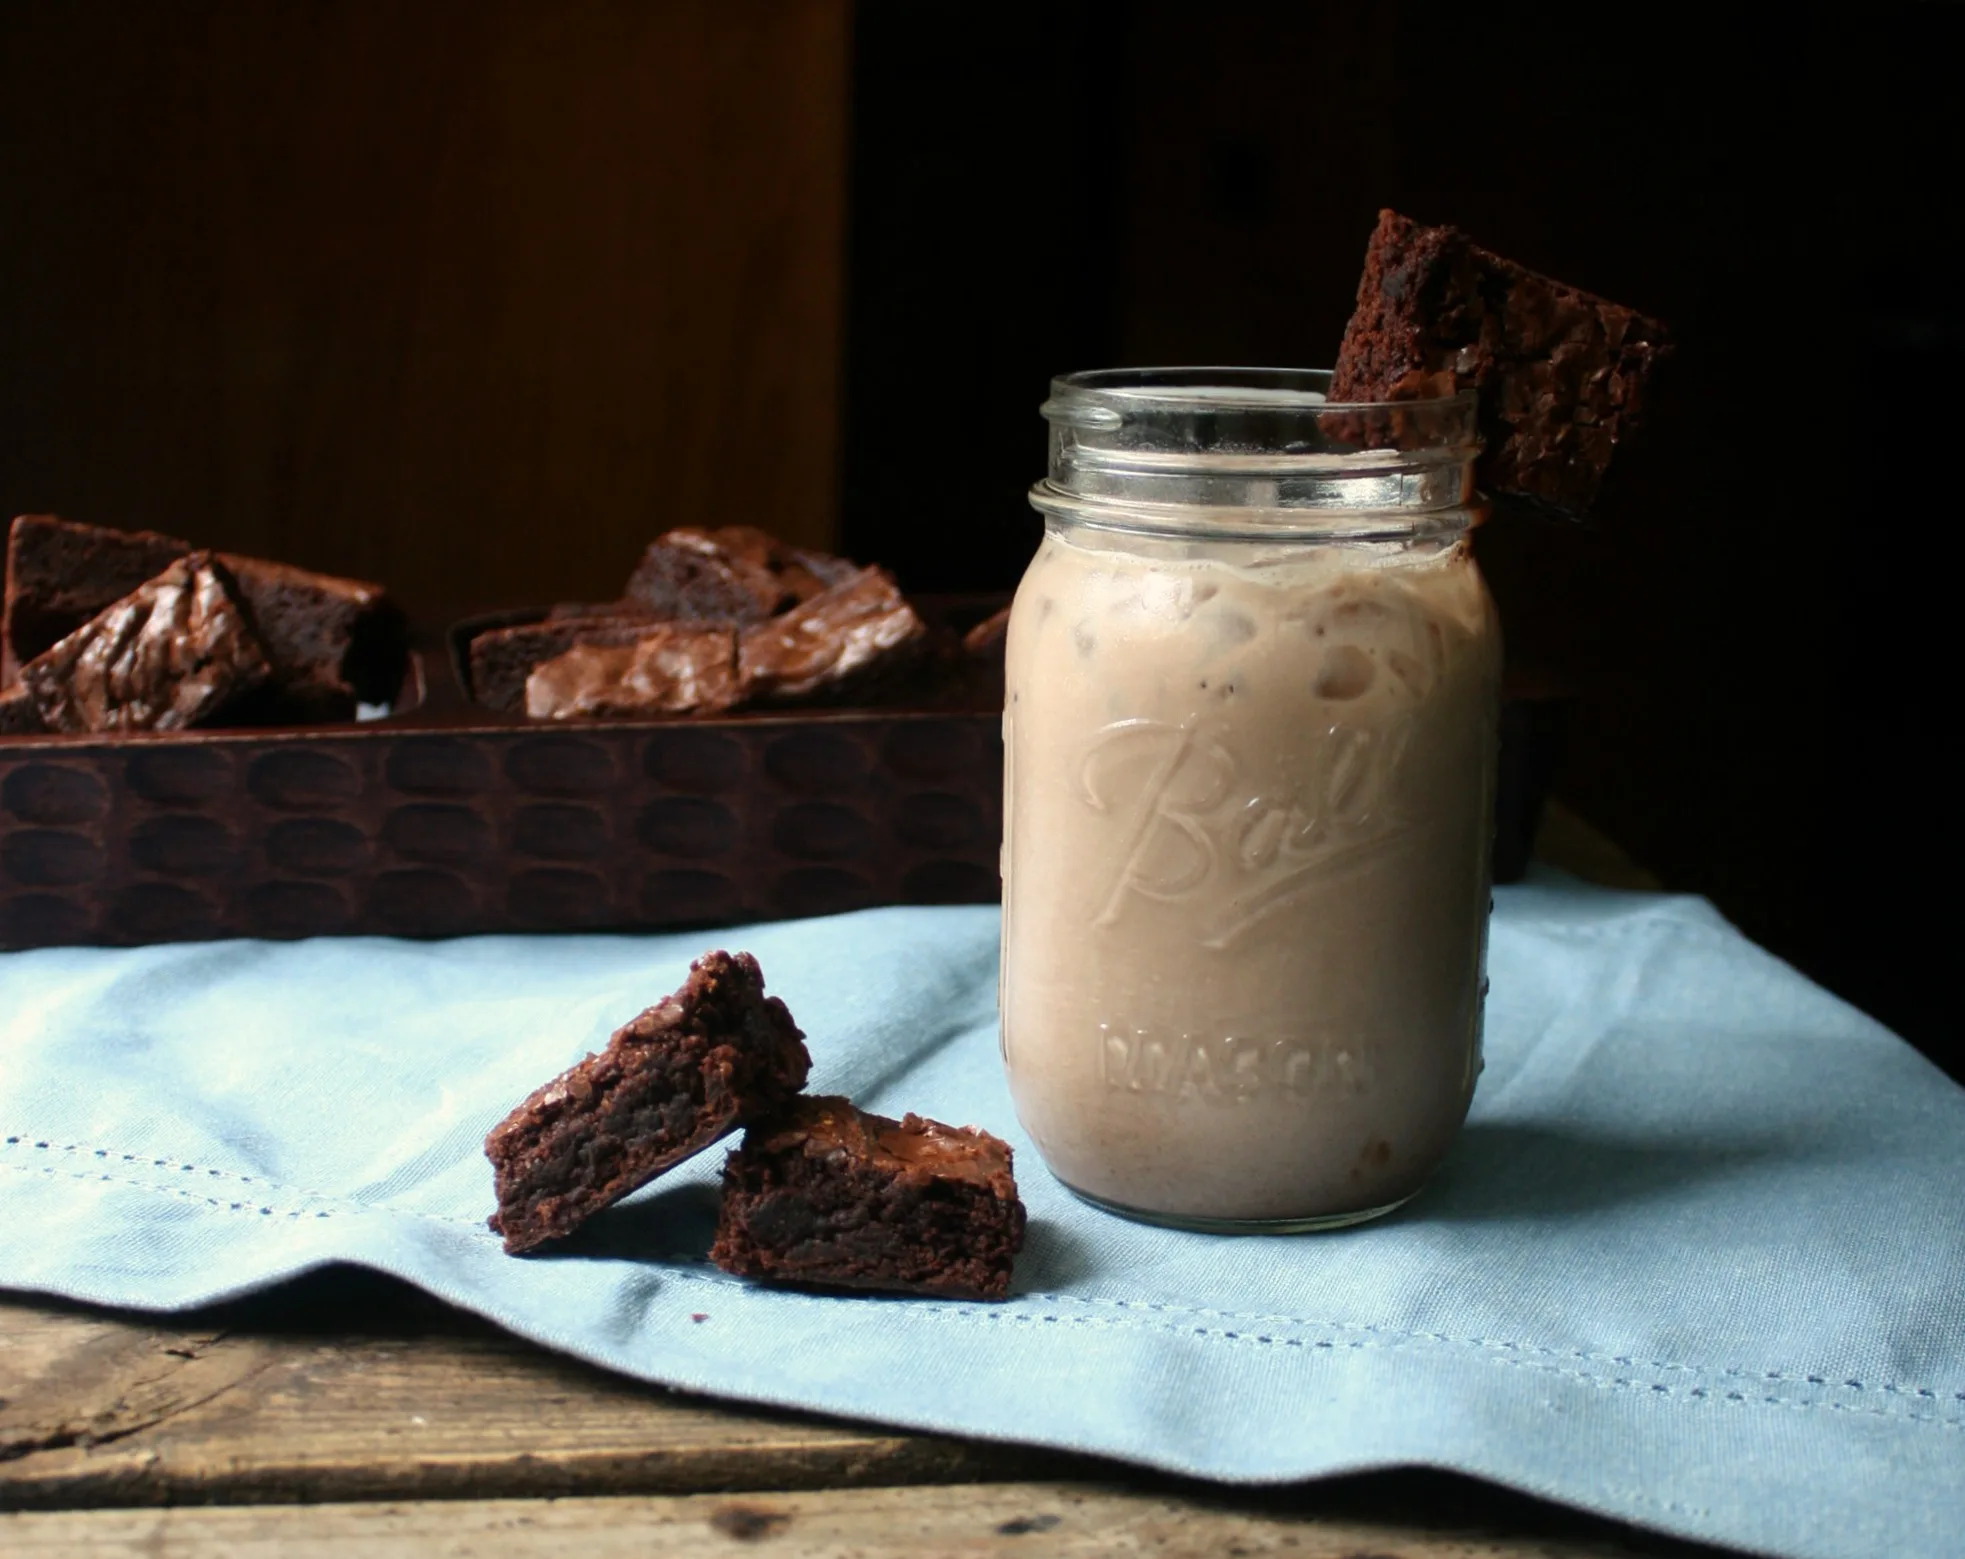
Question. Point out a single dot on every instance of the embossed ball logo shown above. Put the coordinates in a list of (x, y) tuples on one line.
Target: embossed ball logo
[(1194, 816)]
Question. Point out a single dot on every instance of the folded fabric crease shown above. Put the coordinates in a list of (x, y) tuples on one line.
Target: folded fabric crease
[(1681, 1151)]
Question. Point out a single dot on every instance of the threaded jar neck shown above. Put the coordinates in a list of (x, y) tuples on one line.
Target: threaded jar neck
[(1255, 452)]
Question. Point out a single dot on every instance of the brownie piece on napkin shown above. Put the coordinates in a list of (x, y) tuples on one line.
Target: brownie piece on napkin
[(696, 1065), (736, 573), (672, 668), (840, 642), (830, 1195), (171, 654), (1562, 374)]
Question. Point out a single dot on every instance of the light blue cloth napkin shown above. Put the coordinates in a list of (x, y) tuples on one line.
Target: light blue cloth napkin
[(1698, 1261)]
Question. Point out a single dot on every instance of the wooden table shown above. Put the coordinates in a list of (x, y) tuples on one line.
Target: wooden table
[(348, 1413)]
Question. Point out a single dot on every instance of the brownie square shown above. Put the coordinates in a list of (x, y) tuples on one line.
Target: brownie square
[(172, 654), (843, 641), (1562, 374), (833, 1196), (696, 1065), (60, 574), (673, 668), (331, 642), (733, 574), (502, 659)]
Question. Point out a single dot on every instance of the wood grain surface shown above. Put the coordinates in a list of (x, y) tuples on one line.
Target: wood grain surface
[(1008, 1518), (275, 1401), (469, 296)]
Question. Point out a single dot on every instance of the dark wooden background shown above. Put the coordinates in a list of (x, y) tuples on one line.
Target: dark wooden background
[(1756, 617), (471, 296), (475, 297)]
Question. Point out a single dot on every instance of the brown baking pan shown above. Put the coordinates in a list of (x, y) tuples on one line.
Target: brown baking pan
[(447, 819)]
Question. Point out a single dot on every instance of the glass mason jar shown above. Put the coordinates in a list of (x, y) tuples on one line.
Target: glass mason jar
[(1249, 730)]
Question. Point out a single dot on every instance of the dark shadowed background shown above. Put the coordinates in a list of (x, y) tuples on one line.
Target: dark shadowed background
[(477, 297)]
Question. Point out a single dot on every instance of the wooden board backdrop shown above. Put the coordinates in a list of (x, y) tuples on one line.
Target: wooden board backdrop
[(471, 296)]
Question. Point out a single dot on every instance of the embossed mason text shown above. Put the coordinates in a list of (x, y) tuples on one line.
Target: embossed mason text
[(1233, 1068)]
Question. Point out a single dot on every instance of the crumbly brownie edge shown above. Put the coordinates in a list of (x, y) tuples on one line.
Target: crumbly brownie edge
[(325, 634), (689, 575), (133, 668), (501, 659), (849, 1218), (718, 1050), (960, 1244), (1407, 267), (60, 573), (1563, 374), (548, 1173), (669, 1114)]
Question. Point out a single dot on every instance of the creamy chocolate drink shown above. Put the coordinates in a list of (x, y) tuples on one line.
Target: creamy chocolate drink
[(1248, 810)]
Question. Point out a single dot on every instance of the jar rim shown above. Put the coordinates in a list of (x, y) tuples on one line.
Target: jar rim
[(1213, 387), (1255, 449)]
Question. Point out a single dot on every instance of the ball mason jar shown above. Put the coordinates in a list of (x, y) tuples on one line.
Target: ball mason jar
[(1250, 724)]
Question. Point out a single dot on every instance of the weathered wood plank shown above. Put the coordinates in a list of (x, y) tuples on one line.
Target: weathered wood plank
[(100, 1409), (1052, 1519)]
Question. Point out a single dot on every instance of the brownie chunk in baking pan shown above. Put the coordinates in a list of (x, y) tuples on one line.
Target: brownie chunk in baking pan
[(171, 654), (842, 641), (1562, 375), (503, 659), (19, 714), (736, 573), (60, 574), (830, 1195), (693, 1067), (672, 668), (332, 643)]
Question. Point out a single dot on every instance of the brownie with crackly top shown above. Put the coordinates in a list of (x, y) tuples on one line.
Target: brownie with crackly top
[(1563, 376), (174, 653), (671, 669), (332, 643), (60, 574), (833, 1196), (691, 1069), (844, 641), (735, 573), (502, 660)]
